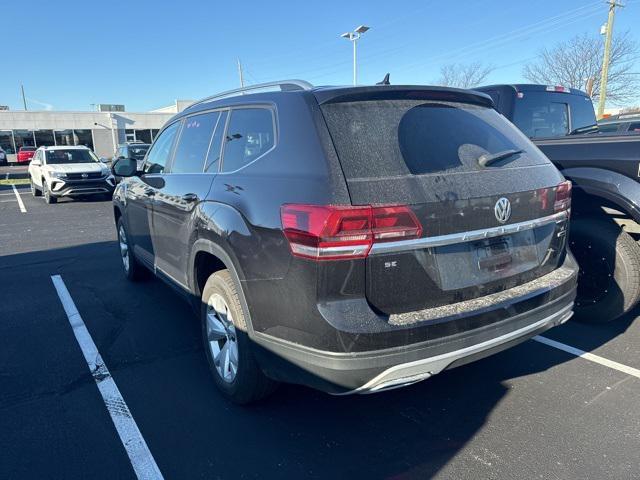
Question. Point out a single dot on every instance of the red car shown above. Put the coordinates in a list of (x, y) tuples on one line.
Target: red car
[(25, 154)]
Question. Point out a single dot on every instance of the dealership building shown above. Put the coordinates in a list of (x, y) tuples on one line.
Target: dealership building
[(102, 131)]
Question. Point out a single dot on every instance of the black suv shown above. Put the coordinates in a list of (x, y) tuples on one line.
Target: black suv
[(134, 150), (352, 239)]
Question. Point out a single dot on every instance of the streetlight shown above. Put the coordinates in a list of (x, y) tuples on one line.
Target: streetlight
[(353, 38)]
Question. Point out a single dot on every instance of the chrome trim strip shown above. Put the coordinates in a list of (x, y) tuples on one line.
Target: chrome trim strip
[(470, 236), (433, 365)]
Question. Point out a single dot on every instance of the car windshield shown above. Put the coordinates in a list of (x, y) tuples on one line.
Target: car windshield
[(79, 155), (27, 149), (138, 152)]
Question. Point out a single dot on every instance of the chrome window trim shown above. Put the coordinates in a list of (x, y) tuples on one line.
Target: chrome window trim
[(469, 236)]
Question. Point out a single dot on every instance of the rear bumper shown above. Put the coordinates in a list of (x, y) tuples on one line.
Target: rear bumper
[(376, 370)]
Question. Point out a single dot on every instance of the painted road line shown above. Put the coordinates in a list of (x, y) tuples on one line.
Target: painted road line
[(20, 204), (139, 454), (589, 356)]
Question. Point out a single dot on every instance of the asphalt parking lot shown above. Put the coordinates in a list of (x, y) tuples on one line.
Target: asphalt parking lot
[(534, 411)]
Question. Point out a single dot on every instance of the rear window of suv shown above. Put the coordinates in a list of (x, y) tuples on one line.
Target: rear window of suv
[(414, 137)]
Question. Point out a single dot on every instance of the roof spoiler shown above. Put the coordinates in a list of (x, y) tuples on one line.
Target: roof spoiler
[(403, 92)]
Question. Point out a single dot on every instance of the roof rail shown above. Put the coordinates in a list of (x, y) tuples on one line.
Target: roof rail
[(284, 85)]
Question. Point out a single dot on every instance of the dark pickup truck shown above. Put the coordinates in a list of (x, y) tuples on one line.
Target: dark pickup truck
[(605, 171)]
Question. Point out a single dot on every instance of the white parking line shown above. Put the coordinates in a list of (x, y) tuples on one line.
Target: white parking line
[(141, 459), (20, 204), (589, 356)]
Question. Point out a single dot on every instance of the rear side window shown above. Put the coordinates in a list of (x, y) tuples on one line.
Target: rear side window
[(250, 134), (539, 120), (193, 144), (414, 137), (161, 150)]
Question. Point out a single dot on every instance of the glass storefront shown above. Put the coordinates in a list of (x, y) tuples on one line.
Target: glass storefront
[(84, 137), (145, 136), (64, 137), (6, 142), (44, 138), (24, 138)]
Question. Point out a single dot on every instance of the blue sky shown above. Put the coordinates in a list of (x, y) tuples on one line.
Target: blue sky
[(145, 54)]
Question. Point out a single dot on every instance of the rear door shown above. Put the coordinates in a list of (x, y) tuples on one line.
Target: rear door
[(183, 188), (479, 232)]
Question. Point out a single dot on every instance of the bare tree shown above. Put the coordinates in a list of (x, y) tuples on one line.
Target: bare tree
[(577, 63), (464, 76)]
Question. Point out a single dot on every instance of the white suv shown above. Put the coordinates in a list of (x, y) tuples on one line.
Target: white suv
[(67, 171)]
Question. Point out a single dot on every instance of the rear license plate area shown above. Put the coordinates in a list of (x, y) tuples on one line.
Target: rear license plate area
[(468, 264), (495, 255)]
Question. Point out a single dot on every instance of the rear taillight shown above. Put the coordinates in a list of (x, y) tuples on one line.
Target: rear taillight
[(563, 197), (344, 232)]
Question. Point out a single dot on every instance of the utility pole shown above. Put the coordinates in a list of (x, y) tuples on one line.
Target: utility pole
[(24, 100), (606, 58), (240, 73)]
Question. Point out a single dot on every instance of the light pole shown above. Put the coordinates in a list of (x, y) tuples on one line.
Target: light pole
[(353, 37)]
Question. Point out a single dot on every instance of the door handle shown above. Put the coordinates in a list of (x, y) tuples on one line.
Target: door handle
[(190, 197)]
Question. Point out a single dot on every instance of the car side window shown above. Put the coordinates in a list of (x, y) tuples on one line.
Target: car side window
[(193, 145), (634, 127), (249, 135), (213, 157), (160, 151)]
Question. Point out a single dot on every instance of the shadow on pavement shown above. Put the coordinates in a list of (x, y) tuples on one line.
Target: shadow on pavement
[(151, 342)]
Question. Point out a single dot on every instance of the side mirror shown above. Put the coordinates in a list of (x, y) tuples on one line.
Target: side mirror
[(36, 163), (125, 167)]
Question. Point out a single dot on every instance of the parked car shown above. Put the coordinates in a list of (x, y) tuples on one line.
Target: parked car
[(604, 170), (25, 154), (352, 239), (135, 150), (620, 124), (67, 171), (3, 157)]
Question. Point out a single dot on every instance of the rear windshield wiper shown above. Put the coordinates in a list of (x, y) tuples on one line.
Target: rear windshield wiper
[(489, 158), (589, 128)]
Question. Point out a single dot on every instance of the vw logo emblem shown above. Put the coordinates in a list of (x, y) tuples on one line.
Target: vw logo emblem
[(502, 210), (84, 175)]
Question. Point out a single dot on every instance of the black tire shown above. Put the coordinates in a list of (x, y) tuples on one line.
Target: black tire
[(46, 193), (34, 190), (250, 384), (609, 278), (133, 270)]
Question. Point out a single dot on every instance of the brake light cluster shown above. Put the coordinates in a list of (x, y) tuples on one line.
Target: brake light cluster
[(563, 197), (332, 232), (557, 88)]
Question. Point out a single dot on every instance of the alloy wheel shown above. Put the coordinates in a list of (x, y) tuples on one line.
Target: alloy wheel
[(124, 248), (221, 337)]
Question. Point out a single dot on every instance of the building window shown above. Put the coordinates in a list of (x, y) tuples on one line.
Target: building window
[(6, 142), (24, 138), (63, 137), (143, 136), (83, 137), (129, 135), (44, 138)]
